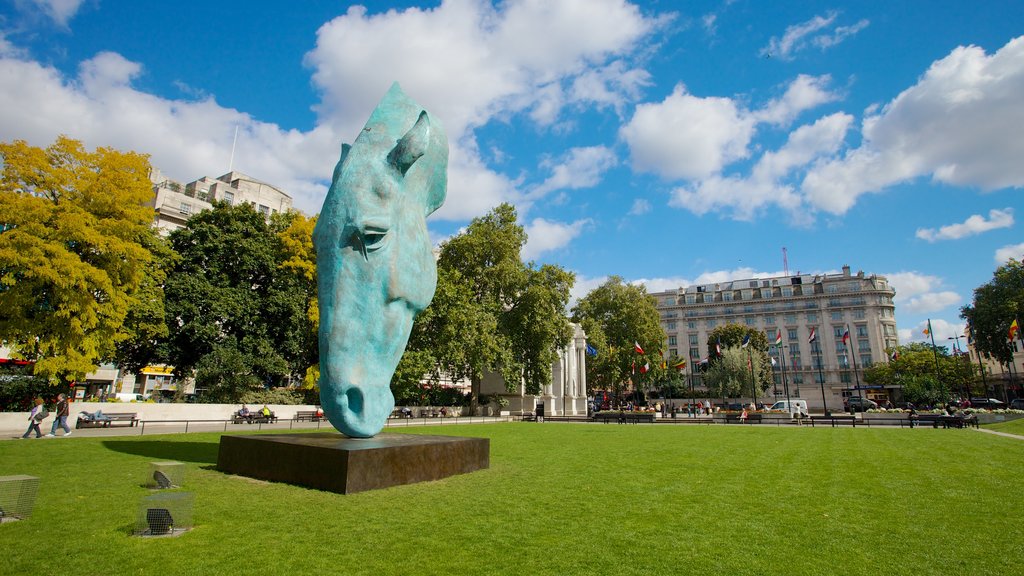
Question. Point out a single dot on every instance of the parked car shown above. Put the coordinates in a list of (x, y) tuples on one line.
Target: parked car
[(859, 404), (793, 407), (987, 403), (1017, 404)]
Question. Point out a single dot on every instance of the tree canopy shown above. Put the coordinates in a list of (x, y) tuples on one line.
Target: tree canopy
[(75, 254), (615, 316), (730, 336), (492, 312), (914, 370), (995, 306), (236, 315)]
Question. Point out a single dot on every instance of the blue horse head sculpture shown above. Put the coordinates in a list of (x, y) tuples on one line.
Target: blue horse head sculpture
[(375, 267)]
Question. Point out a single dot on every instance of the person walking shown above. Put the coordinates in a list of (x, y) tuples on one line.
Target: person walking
[(37, 415), (60, 417)]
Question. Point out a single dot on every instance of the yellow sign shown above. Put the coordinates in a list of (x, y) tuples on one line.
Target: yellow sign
[(158, 369)]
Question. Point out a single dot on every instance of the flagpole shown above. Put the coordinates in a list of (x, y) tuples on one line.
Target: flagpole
[(981, 367), (821, 375), (853, 355), (785, 384), (935, 352), (753, 390)]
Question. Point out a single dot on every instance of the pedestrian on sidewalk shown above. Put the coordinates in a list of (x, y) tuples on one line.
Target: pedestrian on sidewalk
[(60, 417), (37, 415)]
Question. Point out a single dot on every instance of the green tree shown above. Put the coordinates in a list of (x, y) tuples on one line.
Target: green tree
[(497, 313), (234, 314), (996, 304), (75, 255), (731, 336), (729, 376), (915, 370), (615, 316)]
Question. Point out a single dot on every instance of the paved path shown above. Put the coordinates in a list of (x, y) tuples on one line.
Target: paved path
[(998, 433), (181, 427)]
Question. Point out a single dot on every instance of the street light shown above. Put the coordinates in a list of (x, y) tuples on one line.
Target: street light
[(957, 352)]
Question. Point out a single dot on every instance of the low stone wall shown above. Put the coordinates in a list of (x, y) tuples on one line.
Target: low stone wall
[(149, 411)]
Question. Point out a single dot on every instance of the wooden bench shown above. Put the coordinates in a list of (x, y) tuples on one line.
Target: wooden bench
[(308, 416), (107, 419), (624, 417), (835, 420), (752, 418), (253, 417), (945, 420)]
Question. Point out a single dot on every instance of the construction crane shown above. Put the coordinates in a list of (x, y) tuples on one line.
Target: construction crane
[(785, 262)]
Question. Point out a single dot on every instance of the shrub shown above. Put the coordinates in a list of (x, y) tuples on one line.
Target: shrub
[(274, 396)]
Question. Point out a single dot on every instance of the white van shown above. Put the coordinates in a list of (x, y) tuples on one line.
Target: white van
[(129, 397), (794, 407)]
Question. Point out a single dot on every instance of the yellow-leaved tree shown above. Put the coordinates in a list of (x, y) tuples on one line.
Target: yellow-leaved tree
[(73, 251)]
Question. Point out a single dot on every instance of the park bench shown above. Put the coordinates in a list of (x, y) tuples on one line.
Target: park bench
[(624, 417), (835, 420), (253, 417), (752, 418), (106, 419), (308, 416), (945, 420)]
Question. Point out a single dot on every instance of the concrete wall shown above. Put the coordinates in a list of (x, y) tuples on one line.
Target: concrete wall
[(10, 421)]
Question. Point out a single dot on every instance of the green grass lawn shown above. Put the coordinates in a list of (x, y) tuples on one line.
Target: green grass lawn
[(1010, 426), (557, 499)]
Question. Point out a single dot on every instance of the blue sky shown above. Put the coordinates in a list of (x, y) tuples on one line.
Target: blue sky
[(668, 143)]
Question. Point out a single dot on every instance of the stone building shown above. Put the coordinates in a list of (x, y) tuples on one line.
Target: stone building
[(830, 304), (174, 203)]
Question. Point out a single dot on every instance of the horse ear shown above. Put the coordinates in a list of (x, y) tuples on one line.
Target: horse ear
[(337, 167), (412, 146)]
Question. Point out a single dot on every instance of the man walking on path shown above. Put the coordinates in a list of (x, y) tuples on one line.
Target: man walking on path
[(60, 416)]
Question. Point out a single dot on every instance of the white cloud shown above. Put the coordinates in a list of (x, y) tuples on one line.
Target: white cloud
[(687, 137), (959, 124), (640, 207), (943, 332), (920, 293), (60, 11), (1012, 251), (975, 224), (546, 235), (800, 36), (745, 196), (804, 93), (579, 168), (519, 57)]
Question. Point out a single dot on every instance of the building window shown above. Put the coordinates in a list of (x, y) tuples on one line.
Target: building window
[(748, 309), (812, 317), (837, 314), (791, 333), (747, 294), (750, 321), (693, 339), (789, 319), (228, 197), (863, 346), (866, 360), (264, 210), (832, 289), (671, 324), (854, 286), (185, 208), (691, 299), (766, 292), (671, 340), (672, 353), (695, 353), (787, 291), (859, 314), (844, 377), (711, 323), (862, 330), (769, 320), (691, 325), (727, 296)]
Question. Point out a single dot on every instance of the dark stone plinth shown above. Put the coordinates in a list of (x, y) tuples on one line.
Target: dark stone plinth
[(337, 463)]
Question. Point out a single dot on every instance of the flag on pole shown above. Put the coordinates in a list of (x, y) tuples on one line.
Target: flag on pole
[(718, 347), (813, 336), (591, 351), (636, 346), (746, 341), (664, 363), (681, 365), (774, 363), (895, 355), (633, 366), (645, 367), (778, 337), (1013, 329), (846, 337)]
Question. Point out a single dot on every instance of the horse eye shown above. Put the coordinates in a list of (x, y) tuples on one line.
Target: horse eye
[(373, 240)]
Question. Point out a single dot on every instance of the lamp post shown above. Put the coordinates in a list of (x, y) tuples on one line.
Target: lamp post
[(821, 377), (957, 351)]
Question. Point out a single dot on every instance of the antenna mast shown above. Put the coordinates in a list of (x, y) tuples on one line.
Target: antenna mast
[(231, 162)]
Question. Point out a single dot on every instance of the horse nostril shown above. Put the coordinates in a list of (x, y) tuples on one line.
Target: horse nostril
[(355, 400)]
